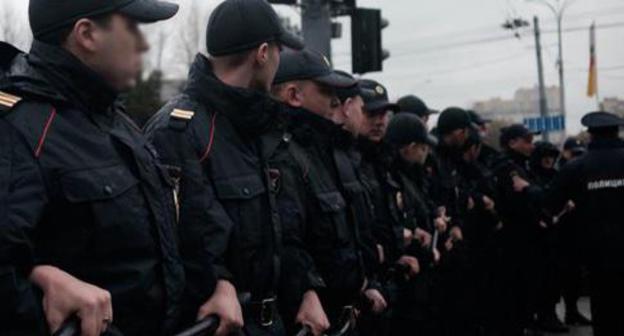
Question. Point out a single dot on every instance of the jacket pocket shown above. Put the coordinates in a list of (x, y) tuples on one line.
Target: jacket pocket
[(99, 184), (330, 202), (333, 206), (239, 188), (107, 211), (244, 200)]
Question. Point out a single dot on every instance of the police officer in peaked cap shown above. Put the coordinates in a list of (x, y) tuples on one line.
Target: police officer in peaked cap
[(90, 216), (594, 185)]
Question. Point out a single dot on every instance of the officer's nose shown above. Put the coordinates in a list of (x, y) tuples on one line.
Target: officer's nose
[(142, 44)]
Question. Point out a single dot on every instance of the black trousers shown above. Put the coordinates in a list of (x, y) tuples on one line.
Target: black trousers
[(571, 260), (572, 285), (607, 296), (521, 279), (549, 271), (415, 313)]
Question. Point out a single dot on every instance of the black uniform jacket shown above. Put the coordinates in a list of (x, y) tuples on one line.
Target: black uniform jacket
[(595, 183), (229, 146), (83, 190)]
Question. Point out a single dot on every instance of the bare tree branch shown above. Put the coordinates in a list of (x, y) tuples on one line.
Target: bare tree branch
[(191, 26), (158, 38), (13, 27)]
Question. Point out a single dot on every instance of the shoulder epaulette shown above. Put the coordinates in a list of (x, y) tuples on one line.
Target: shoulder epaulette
[(179, 118), (8, 101), (182, 114)]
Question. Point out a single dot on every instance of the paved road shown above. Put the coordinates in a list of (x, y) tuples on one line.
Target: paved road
[(584, 307)]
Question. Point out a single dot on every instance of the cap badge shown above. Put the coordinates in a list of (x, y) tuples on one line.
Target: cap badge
[(380, 90)]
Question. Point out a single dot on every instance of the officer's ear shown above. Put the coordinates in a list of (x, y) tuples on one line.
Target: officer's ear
[(82, 37), (87, 34), (293, 94), (346, 106), (346, 109), (263, 54)]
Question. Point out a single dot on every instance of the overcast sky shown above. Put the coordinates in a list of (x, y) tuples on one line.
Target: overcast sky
[(423, 36), (462, 75)]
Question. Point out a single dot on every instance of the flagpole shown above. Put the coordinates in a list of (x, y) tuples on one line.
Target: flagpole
[(592, 85), (596, 65)]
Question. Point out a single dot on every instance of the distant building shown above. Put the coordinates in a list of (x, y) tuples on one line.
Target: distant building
[(525, 104), (613, 105)]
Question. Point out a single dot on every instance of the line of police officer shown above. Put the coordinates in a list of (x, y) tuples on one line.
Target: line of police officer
[(275, 193)]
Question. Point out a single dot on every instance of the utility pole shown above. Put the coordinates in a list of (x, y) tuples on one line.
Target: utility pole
[(317, 27), (562, 96), (558, 9), (543, 104)]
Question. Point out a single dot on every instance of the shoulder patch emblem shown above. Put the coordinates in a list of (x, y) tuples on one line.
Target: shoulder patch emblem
[(7, 101), (182, 114)]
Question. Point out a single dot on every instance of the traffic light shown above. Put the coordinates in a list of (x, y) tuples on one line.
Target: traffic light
[(366, 41)]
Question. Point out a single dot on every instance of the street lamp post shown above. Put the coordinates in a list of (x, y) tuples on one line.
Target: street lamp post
[(558, 10)]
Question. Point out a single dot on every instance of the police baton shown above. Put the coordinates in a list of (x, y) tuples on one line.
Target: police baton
[(349, 317), (210, 324), (305, 331), (346, 326), (71, 327), (206, 326)]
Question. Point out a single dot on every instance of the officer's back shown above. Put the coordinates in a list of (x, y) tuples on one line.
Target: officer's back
[(595, 184)]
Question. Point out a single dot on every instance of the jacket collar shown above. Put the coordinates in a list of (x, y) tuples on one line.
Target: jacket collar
[(310, 128), (252, 112), (51, 72), (379, 152)]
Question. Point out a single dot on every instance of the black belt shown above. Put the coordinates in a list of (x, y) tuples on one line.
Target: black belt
[(263, 311)]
